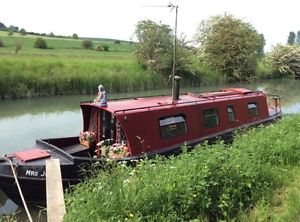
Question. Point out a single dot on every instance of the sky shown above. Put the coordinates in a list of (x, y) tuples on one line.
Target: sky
[(117, 19)]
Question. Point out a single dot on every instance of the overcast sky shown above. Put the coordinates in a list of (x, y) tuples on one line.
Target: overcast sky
[(117, 18)]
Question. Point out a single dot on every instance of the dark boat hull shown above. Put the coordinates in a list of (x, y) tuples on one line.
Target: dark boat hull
[(33, 187)]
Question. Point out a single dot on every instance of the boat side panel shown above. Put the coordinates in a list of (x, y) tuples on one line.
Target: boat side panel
[(142, 128)]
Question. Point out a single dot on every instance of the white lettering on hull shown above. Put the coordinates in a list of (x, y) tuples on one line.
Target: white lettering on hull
[(33, 173)]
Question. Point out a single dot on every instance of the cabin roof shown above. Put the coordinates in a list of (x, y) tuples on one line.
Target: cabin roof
[(160, 102)]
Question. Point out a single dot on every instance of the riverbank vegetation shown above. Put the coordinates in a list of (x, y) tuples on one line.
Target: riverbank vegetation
[(66, 68), (253, 179), (60, 66)]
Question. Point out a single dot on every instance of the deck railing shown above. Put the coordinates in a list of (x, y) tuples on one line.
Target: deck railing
[(276, 103)]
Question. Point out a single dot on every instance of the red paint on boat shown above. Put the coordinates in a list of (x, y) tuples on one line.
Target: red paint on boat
[(141, 119), (31, 154)]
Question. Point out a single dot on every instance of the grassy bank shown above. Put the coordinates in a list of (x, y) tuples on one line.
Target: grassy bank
[(246, 180), (25, 77), (67, 69)]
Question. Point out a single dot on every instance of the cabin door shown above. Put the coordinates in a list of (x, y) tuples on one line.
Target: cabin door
[(107, 126), (93, 123)]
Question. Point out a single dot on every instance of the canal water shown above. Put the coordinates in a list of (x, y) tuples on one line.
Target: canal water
[(25, 120)]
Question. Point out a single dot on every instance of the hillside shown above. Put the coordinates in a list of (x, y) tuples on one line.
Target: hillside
[(67, 69), (27, 42)]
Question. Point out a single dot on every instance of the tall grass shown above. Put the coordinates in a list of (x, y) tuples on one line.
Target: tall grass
[(24, 77), (212, 183)]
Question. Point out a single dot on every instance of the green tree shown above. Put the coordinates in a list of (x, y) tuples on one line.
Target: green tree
[(186, 64), (154, 48), (291, 38), (87, 44), (40, 43), (106, 48), (285, 60), (231, 46), (298, 38), (2, 26), (10, 33), (23, 32), (74, 36), (99, 48), (13, 28), (18, 46)]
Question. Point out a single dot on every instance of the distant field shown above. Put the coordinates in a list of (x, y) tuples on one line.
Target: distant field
[(27, 43), (69, 69)]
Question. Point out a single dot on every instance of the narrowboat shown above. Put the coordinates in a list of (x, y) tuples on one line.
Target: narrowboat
[(131, 129)]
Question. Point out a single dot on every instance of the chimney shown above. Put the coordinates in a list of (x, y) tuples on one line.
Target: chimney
[(176, 88)]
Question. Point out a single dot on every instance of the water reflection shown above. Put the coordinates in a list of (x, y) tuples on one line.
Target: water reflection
[(24, 121), (7, 206)]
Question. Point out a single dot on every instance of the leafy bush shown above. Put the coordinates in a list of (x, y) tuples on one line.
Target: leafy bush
[(40, 43), (23, 32), (264, 69), (99, 48), (87, 44), (18, 46), (231, 46), (74, 36), (106, 48), (285, 60)]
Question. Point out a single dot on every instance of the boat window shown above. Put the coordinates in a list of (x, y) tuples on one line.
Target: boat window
[(252, 109), (211, 118), (172, 126), (230, 113)]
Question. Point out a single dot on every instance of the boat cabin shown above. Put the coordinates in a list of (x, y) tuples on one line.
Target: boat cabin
[(158, 125)]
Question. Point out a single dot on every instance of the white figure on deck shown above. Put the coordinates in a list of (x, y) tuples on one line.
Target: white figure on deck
[(101, 98)]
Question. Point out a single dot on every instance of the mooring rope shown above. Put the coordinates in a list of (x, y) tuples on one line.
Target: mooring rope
[(19, 188)]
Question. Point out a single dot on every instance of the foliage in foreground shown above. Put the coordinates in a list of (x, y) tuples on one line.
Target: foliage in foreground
[(211, 183)]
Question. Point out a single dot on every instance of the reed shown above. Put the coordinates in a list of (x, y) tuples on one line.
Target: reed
[(23, 76), (218, 182)]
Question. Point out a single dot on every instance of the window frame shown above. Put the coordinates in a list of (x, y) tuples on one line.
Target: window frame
[(251, 111), (231, 115), (206, 116), (172, 127)]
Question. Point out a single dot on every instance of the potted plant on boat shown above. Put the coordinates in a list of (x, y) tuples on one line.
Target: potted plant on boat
[(88, 138), (114, 151)]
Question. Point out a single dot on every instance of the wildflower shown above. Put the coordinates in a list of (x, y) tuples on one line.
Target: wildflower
[(130, 215)]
